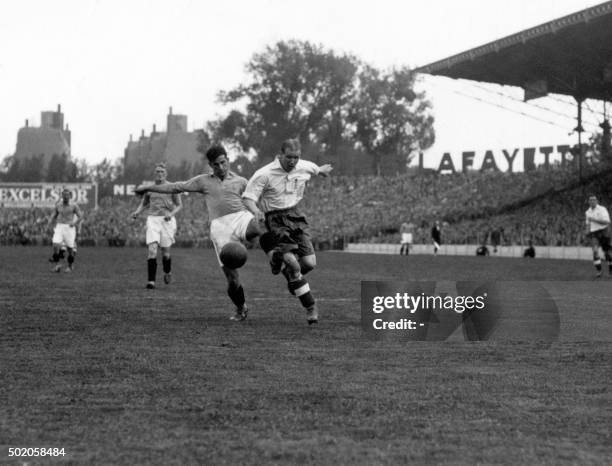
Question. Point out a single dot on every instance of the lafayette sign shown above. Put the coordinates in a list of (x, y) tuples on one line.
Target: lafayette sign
[(531, 157)]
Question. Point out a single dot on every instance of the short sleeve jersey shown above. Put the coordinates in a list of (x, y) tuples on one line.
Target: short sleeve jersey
[(223, 197), (598, 213), (276, 189), (66, 212), (159, 204)]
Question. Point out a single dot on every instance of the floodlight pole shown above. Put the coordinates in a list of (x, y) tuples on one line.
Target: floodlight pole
[(579, 129)]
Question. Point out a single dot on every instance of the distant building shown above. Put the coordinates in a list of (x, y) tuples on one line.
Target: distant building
[(177, 146), (48, 139)]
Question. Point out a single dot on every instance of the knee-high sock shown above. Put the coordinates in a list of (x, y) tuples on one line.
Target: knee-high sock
[(152, 269), (301, 289), (236, 294), (167, 264)]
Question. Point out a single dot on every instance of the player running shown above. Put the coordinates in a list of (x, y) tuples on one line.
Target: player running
[(229, 218), (67, 216), (436, 236), (406, 237), (161, 225), (278, 188), (597, 227)]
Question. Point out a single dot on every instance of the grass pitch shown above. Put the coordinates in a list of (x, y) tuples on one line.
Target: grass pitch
[(116, 374)]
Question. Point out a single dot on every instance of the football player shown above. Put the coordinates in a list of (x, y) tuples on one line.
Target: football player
[(278, 188), (229, 218), (597, 228), (67, 216), (161, 226)]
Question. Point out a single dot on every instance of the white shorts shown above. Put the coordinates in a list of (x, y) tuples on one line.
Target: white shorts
[(160, 231), (64, 234), (407, 238), (231, 227)]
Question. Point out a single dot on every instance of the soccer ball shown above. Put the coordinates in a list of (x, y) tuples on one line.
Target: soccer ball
[(233, 255)]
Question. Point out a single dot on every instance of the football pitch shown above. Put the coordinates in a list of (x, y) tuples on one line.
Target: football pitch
[(94, 363)]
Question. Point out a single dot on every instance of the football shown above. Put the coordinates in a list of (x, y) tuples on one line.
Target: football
[(233, 255)]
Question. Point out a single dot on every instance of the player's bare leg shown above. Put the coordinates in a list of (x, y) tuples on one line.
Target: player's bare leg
[(167, 265), (236, 293), (234, 288), (151, 265), (307, 263), (56, 257)]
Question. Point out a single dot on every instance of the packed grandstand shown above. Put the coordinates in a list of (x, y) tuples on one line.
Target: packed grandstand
[(545, 206)]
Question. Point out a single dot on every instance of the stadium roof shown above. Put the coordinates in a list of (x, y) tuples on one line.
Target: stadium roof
[(571, 55)]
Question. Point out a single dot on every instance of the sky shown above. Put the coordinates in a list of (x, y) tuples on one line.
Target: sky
[(116, 66)]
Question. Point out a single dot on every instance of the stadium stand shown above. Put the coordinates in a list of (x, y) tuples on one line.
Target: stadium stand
[(545, 206)]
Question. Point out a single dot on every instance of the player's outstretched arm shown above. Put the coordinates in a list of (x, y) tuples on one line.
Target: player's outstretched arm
[(166, 188), (325, 170), (141, 189), (194, 185)]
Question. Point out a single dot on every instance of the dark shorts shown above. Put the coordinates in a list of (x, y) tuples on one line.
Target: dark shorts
[(602, 237), (290, 230)]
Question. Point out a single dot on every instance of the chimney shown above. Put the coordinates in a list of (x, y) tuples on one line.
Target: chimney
[(154, 129), (170, 111), (27, 123), (130, 138), (142, 134), (59, 108)]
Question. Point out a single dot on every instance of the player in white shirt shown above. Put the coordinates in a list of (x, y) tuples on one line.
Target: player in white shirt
[(161, 226), (278, 188), (68, 217), (598, 230), (406, 237)]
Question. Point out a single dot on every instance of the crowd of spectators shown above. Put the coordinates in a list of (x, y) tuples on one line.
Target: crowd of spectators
[(544, 206)]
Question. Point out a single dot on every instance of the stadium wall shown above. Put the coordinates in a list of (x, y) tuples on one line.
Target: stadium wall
[(542, 252)]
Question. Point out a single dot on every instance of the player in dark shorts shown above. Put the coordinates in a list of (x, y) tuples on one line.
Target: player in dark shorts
[(436, 236), (278, 188), (598, 230)]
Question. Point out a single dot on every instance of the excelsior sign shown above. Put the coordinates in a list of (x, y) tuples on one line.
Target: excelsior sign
[(27, 195)]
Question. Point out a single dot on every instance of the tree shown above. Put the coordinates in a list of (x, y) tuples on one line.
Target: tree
[(298, 90), (27, 169), (105, 174), (5, 166), (334, 104), (61, 169), (243, 166), (391, 120)]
